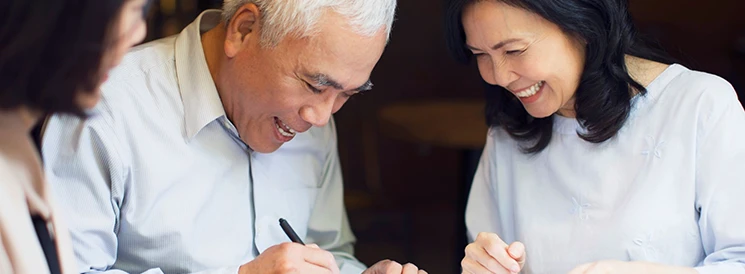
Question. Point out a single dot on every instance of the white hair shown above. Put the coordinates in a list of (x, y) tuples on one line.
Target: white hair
[(282, 17)]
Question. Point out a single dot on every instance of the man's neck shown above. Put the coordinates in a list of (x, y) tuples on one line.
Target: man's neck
[(212, 44)]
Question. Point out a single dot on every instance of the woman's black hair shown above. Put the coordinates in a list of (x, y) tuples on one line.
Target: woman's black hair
[(52, 50), (603, 97)]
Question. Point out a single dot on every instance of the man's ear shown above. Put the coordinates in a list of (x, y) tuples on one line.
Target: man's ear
[(243, 29)]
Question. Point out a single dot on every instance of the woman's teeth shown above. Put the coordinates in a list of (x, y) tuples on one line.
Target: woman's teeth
[(530, 91)]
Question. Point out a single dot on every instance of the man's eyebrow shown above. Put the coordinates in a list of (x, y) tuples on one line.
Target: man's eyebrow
[(365, 87), (324, 80)]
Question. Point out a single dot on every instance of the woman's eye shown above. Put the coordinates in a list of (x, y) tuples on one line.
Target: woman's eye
[(514, 52)]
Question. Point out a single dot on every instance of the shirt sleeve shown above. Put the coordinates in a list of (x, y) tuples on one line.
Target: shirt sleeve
[(482, 211), (89, 176), (86, 173), (328, 226), (720, 185)]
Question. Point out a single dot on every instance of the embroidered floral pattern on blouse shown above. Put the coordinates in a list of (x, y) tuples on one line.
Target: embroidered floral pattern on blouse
[(579, 208), (654, 147), (648, 252)]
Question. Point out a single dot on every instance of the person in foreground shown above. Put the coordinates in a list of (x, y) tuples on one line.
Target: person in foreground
[(204, 140), (53, 58), (603, 156)]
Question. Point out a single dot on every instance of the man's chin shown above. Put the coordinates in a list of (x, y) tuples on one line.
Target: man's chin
[(265, 148)]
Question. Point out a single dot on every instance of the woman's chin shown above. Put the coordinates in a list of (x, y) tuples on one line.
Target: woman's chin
[(539, 113)]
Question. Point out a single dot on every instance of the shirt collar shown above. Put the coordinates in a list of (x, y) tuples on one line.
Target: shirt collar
[(202, 103)]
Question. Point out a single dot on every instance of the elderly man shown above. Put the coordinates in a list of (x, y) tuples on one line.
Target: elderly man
[(204, 140)]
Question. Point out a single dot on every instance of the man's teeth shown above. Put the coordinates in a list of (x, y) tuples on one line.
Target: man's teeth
[(288, 127), (282, 130), (531, 90)]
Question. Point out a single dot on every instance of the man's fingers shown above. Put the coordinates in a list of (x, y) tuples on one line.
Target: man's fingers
[(321, 258), (409, 269), (385, 267), (315, 269)]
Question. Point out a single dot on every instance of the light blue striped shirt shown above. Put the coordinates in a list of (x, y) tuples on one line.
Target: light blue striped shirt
[(157, 181)]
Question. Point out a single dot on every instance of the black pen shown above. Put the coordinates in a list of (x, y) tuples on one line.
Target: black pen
[(290, 232)]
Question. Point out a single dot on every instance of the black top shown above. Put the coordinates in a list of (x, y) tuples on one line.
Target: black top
[(48, 245)]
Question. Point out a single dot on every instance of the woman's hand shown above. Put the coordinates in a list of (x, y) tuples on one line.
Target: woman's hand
[(489, 254)]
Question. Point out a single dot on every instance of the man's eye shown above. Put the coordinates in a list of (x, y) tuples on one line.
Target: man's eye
[(312, 88), (347, 95)]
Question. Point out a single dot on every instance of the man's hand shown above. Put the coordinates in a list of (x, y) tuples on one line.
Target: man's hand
[(292, 258), (489, 254), (392, 267)]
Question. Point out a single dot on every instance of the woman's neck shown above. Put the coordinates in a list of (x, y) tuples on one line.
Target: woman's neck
[(641, 70), (644, 71), (23, 118)]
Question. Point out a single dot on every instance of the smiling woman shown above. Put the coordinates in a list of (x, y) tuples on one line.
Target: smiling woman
[(602, 156), (574, 55)]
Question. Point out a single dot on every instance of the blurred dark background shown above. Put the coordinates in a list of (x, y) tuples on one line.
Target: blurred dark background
[(409, 146)]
